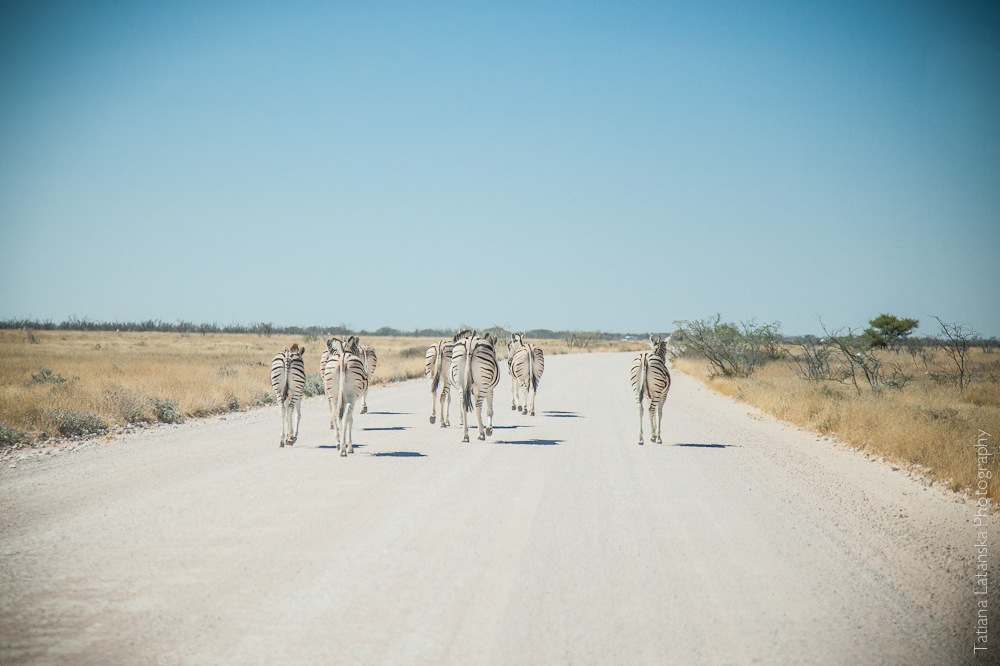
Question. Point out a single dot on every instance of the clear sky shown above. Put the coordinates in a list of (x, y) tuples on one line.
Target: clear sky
[(599, 165)]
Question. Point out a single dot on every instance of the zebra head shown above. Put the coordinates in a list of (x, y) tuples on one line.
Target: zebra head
[(658, 346), (516, 342)]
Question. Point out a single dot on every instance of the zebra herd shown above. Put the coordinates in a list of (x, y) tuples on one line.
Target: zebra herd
[(467, 362)]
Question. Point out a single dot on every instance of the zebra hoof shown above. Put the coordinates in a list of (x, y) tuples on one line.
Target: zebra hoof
[(532, 413), (281, 444), (513, 407), (482, 437), (364, 410), (433, 419), (489, 431), (640, 442), (465, 439)]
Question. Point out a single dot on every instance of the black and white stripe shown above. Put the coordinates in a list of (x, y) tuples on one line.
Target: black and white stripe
[(475, 373), (526, 363), (651, 379), (437, 368), (370, 360), (346, 382), (288, 379)]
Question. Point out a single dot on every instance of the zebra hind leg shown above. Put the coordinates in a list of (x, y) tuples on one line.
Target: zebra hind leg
[(659, 424), (640, 420), (434, 399), (298, 419), (445, 408), (479, 418), (653, 432), (489, 413)]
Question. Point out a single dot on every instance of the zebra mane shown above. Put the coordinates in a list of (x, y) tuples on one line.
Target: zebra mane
[(463, 334), (659, 346)]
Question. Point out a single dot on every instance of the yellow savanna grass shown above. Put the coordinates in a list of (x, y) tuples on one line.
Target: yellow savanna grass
[(51, 380), (928, 423)]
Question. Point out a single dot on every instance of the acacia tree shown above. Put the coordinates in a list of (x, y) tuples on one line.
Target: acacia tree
[(732, 350), (956, 340), (887, 331)]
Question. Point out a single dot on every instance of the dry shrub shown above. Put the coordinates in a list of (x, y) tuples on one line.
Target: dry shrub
[(926, 423)]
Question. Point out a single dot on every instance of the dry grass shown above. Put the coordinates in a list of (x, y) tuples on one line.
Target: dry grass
[(928, 423), (64, 383)]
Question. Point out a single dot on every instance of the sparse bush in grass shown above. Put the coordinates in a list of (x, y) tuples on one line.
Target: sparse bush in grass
[(413, 352), (314, 384), (232, 403), (166, 410), (46, 376), (956, 340), (30, 336), (581, 339), (264, 398), (11, 436), (77, 424), (228, 371), (126, 404), (732, 350), (856, 359)]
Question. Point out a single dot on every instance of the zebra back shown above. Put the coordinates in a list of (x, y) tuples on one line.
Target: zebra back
[(650, 377), (288, 374), (369, 358)]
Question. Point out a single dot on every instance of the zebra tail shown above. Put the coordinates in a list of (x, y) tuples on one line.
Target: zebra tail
[(532, 380), (438, 365), (341, 403), (642, 379), (467, 392)]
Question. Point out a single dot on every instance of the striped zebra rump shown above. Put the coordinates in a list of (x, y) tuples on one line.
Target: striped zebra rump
[(437, 364), (288, 380), (474, 368), (650, 378), (288, 374)]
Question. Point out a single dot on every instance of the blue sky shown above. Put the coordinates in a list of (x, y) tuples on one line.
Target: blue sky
[(612, 166)]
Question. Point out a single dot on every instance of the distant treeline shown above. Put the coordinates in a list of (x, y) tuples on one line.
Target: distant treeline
[(268, 328)]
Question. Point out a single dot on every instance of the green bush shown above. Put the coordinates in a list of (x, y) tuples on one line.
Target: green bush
[(11, 436), (78, 424), (314, 384), (732, 350), (166, 410)]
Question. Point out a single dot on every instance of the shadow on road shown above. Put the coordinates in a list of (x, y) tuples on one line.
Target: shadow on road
[(530, 442), (389, 414), (706, 446), (399, 454), (386, 428), (563, 415)]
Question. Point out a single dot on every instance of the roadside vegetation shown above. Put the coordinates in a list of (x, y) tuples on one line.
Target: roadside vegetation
[(56, 382), (918, 402)]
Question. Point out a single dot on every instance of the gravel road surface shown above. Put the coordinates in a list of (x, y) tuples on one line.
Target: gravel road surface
[(559, 540)]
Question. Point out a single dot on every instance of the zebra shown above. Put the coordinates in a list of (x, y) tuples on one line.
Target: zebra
[(650, 378), (288, 379), (526, 363), (330, 387), (344, 377), (437, 367), (370, 360), (475, 373)]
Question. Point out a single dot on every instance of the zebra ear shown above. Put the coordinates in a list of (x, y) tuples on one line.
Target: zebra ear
[(329, 344), (302, 351)]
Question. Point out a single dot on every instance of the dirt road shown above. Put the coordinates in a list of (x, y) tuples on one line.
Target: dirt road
[(559, 540)]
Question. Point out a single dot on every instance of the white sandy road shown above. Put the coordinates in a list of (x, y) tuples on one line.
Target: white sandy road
[(559, 540)]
